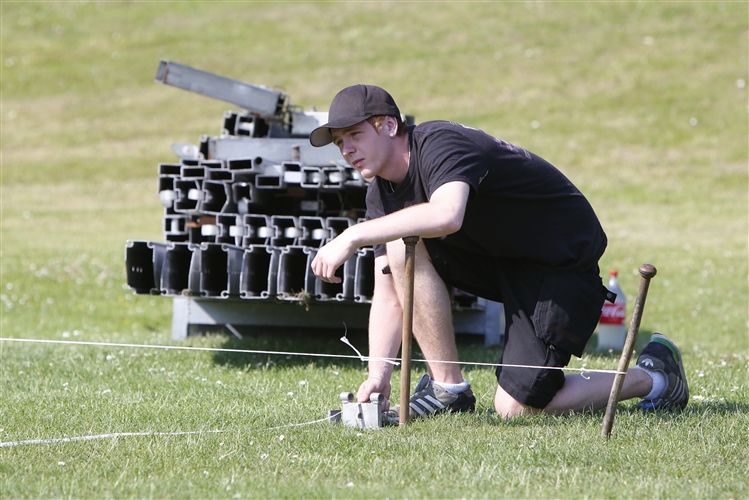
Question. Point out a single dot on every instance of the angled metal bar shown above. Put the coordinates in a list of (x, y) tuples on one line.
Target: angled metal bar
[(257, 99)]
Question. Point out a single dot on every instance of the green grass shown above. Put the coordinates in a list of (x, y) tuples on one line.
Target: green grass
[(89, 391), (641, 104)]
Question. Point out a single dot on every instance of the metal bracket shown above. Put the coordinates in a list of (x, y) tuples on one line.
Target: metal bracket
[(360, 415)]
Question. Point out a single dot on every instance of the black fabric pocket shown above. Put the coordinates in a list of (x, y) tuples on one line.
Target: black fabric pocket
[(568, 310)]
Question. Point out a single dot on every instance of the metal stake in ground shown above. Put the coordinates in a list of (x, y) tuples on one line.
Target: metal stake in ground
[(647, 271), (408, 312)]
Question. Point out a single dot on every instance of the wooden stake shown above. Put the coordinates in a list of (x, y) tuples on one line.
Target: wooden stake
[(647, 272), (408, 311)]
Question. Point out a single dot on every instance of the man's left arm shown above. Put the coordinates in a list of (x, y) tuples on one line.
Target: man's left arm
[(440, 216)]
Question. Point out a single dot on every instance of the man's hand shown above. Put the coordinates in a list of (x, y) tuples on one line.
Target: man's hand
[(372, 385), (332, 256)]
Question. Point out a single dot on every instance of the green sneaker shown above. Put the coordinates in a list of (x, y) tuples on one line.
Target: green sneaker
[(662, 355)]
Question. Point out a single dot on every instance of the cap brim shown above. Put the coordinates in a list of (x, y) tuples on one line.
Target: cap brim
[(321, 136)]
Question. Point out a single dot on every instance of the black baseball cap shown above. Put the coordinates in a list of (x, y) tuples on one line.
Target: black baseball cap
[(353, 105)]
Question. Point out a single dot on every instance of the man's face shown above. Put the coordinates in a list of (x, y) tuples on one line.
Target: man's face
[(363, 148)]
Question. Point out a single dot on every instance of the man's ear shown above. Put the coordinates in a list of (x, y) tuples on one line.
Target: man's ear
[(391, 126)]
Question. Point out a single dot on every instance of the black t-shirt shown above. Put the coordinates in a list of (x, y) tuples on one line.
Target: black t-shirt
[(519, 207)]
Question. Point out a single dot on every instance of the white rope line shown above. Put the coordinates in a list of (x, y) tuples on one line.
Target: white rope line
[(186, 348), (393, 361), (287, 426), (366, 358), (344, 339), (147, 433), (101, 436)]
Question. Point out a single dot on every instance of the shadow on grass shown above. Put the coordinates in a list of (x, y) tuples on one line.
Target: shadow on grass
[(693, 409), (701, 410), (288, 347), (296, 346), (715, 408)]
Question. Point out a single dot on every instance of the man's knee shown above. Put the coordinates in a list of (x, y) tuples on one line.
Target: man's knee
[(507, 406), (396, 251)]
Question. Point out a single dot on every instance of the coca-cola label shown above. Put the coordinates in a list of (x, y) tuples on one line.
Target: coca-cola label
[(613, 314)]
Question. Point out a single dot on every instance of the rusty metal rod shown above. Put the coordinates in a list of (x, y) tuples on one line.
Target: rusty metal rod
[(408, 311), (647, 271)]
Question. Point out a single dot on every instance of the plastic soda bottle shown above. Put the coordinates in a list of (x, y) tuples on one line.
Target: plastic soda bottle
[(612, 329)]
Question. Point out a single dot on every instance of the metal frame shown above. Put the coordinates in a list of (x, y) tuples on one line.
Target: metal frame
[(246, 212)]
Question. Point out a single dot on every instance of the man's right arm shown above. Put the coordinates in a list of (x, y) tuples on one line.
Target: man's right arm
[(440, 216), (385, 333)]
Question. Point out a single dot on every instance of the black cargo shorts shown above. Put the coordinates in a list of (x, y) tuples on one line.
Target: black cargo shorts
[(549, 315)]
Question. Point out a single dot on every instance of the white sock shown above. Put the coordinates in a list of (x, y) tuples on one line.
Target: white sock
[(659, 383), (454, 388)]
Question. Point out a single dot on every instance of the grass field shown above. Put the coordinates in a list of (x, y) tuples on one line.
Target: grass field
[(643, 105)]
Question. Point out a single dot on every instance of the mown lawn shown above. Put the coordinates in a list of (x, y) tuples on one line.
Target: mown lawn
[(642, 104)]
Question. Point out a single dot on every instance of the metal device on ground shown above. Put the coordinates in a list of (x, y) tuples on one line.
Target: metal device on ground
[(245, 212), (647, 272), (370, 415), (361, 415)]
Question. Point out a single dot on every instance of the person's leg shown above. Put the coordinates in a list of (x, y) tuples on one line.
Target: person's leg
[(525, 390), (433, 327), (578, 394), (592, 392), (550, 317), (658, 378)]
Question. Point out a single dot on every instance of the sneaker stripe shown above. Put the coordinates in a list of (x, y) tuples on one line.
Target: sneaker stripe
[(421, 406), (417, 409), (434, 401), (424, 405), (681, 391), (426, 402)]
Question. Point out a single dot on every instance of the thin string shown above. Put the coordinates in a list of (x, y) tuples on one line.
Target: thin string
[(364, 359), (147, 433), (182, 348), (393, 361), (344, 339)]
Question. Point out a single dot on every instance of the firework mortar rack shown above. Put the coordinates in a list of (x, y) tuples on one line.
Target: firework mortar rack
[(245, 212)]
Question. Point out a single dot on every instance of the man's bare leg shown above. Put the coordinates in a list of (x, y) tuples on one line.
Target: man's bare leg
[(433, 326), (578, 394)]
